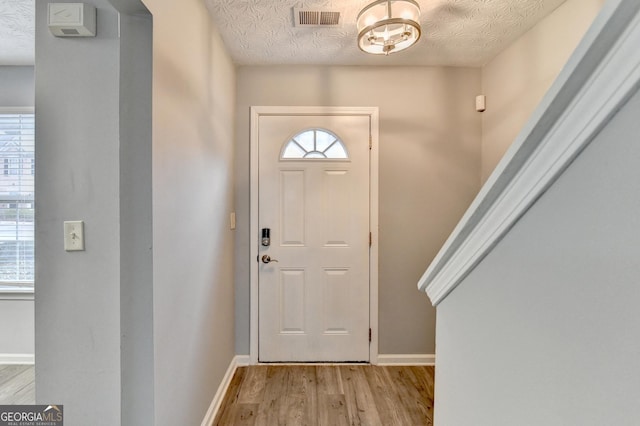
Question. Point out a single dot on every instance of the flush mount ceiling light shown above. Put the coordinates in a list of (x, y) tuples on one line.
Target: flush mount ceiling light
[(388, 26)]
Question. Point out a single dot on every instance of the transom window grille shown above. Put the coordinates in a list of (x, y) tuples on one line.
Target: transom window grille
[(314, 144), (17, 159)]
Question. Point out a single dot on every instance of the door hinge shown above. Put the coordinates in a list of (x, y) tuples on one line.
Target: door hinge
[(369, 335), (370, 142), (370, 239)]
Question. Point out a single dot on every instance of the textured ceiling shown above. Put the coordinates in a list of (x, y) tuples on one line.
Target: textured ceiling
[(261, 32), (454, 32), (17, 32)]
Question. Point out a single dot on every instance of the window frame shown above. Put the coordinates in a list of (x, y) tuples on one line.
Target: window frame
[(7, 290), (291, 139)]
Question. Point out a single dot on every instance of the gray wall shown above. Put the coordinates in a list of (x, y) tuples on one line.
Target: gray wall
[(16, 86), (127, 334), (516, 79), (16, 327), (545, 330), (78, 178), (136, 254), (193, 119), (429, 173), (93, 325)]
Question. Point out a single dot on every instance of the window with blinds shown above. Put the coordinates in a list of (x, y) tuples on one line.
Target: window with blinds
[(17, 170)]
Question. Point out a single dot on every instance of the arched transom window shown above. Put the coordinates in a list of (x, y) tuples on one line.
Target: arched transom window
[(314, 144)]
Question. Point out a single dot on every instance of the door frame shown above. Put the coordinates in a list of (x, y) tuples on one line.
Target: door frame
[(256, 113)]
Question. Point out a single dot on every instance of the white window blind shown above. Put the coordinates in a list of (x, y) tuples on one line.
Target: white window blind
[(17, 169)]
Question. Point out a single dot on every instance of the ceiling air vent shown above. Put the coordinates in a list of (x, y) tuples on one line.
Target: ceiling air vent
[(316, 18)]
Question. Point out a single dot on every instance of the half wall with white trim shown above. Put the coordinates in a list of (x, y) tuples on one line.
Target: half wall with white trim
[(537, 318)]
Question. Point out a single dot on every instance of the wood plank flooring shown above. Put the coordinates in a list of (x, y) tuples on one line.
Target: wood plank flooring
[(17, 385), (328, 395)]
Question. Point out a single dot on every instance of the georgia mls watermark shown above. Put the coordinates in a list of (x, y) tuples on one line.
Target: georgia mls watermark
[(31, 415)]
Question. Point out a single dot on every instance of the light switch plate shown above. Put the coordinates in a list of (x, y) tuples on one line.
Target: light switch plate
[(232, 220), (74, 235)]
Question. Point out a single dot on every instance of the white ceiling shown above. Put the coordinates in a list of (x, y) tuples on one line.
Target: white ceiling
[(454, 32), (17, 32), (261, 32)]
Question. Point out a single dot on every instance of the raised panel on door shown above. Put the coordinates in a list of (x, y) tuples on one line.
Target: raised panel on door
[(292, 207), (292, 301), (336, 301), (336, 208)]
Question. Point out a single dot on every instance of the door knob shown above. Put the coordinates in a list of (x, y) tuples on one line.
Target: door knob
[(267, 259)]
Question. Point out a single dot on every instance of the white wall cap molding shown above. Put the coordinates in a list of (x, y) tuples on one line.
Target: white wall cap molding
[(600, 76)]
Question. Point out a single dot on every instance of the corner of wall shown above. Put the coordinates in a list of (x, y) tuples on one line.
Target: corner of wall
[(518, 77)]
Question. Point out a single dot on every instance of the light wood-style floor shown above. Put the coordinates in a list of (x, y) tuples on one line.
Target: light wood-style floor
[(17, 385), (328, 395)]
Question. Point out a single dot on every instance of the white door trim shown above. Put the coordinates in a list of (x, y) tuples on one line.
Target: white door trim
[(256, 113)]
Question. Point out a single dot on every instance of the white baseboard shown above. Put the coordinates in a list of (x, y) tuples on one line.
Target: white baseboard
[(237, 361), (17, 359), (403, 359), (243, 360)]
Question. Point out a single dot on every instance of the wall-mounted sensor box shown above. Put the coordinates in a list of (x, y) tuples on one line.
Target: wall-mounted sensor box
[(72, 19)]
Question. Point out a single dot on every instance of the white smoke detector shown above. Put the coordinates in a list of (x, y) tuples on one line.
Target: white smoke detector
[(72, 19)]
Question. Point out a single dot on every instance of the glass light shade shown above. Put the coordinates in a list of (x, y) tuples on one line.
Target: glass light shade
[(388, 26)]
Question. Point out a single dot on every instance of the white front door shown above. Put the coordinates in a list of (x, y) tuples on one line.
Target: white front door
[(314, 191)]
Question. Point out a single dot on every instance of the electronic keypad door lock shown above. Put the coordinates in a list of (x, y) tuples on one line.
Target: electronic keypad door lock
[(266, 237)]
